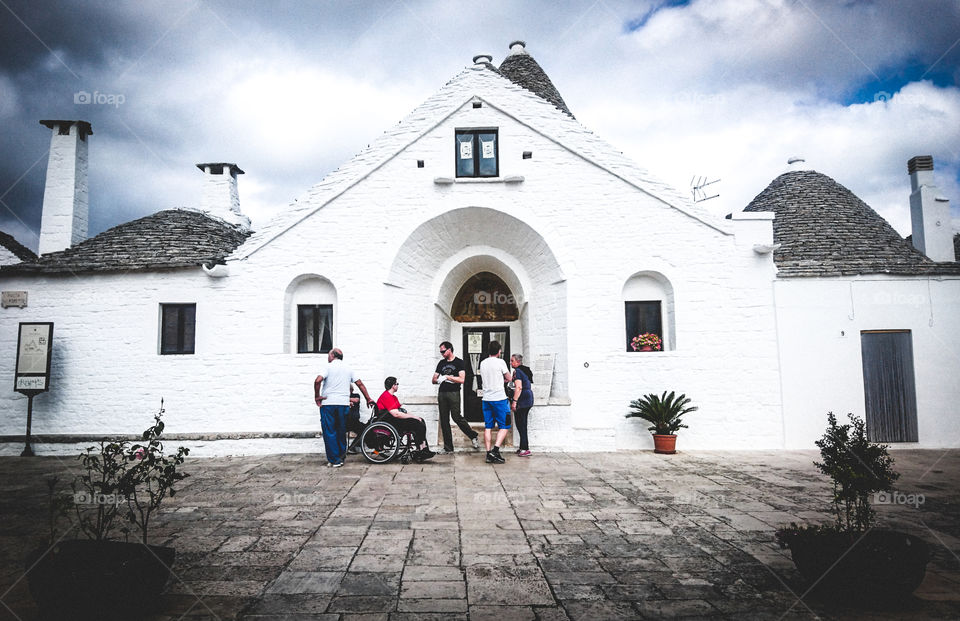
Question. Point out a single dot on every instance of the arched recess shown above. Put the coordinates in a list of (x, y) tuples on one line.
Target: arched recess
[(642, 293), (306, 289), (441, 254)]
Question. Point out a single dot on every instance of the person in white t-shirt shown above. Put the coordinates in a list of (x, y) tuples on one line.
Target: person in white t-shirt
[(334, 402), (496, 406)]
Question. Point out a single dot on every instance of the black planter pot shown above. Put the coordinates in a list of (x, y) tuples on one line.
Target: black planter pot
[(883, 565), (85, 579)]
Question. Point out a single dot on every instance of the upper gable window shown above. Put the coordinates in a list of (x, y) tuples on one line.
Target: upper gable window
[(477, 153)]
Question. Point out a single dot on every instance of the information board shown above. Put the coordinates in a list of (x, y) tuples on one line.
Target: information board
[(34, 346)]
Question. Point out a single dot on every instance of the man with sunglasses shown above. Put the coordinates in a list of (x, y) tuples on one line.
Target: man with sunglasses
[(451, 374)]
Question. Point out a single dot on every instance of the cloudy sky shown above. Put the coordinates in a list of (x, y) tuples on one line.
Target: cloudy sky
[(726, 89)]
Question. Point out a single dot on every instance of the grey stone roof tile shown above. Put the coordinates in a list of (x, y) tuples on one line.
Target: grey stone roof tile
[(824, 230), (523, 70), (167, 239)]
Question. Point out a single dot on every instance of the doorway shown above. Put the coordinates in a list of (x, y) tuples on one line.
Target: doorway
[(889, 387), (475, 343)]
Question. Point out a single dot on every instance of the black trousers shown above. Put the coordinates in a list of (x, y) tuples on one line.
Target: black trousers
[(413, 425), (449, 404), (521, 421)]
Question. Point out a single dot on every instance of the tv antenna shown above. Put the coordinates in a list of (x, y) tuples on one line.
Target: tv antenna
[(697, 187)]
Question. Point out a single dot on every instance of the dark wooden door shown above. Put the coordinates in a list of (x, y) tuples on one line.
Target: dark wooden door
[(890, 394), (475, 343)]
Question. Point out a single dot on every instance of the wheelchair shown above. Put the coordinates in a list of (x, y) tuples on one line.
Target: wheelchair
[(380, 442)]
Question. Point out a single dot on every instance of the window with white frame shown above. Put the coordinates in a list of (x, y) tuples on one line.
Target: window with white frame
[(477, 152)]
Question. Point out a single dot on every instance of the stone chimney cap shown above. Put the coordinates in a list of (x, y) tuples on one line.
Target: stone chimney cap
[(920, 162), (217, 168), (482, 58), (795, 160), (518, 47), (83, 126)]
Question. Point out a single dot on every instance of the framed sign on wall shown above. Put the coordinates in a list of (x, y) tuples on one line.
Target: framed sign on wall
[(34, 346)]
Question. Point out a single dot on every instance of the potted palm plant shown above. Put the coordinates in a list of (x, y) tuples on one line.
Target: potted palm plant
[(665, 413), (100, 577), (851, 558)]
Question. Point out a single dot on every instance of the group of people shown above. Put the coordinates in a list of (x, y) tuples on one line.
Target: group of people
[(340, 407)]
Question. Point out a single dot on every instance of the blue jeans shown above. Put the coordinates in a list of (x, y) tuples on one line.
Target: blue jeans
[(333, 422)]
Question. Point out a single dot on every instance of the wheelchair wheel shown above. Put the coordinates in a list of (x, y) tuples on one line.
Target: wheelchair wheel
[(380, 442)]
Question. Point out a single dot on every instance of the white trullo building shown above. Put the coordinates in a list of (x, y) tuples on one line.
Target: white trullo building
[(490, 213)]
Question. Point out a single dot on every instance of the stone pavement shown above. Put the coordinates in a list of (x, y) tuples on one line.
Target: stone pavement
[(626, 535)]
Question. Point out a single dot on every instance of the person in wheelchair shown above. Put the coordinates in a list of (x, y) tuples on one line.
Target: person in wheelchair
[(398, 417)]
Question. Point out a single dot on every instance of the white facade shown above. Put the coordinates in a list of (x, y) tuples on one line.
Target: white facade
[(820, 323), (574, 231)]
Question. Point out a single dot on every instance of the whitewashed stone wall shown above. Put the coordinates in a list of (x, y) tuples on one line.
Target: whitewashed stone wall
[(820, 323), (7, 257), (395, 248)]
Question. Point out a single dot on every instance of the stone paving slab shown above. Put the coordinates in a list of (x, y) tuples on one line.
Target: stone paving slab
[(556, 537)]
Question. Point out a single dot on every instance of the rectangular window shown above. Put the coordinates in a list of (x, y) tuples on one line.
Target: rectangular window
[(641, 318), (178, 326), (314, 328), (477, 153)]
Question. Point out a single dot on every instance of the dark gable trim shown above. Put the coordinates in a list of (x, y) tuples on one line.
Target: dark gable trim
[(19, 250)]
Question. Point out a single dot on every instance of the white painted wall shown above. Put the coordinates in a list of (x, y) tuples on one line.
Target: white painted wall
[(820, 321), (392, 250)]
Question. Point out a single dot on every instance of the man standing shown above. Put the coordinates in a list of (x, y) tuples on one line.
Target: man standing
[(496, 407), (334, 402), (451, 374)]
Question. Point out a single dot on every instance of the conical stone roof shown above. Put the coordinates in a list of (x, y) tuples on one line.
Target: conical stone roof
[(520, 68), (825, 230)]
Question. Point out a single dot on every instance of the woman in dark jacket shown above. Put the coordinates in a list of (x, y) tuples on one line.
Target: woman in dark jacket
[(521, 402)]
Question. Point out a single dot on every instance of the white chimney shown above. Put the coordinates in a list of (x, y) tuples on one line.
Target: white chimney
[(220, 197), (63, 222), (929, 213)]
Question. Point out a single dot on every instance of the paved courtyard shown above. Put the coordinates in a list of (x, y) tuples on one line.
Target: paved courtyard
[(626, 535)]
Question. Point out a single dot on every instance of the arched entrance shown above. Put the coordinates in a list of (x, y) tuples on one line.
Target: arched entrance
[(486, 308), (430, 268)]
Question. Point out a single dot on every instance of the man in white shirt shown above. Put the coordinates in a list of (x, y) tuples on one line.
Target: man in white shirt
[(334, 402), (496, 406)]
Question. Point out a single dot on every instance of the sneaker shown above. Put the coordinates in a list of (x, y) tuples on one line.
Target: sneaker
[(329, 464), (339, 464), (426, 454), (523, 453), (476, 445), (444, 451), (494, 457), (491, 459)]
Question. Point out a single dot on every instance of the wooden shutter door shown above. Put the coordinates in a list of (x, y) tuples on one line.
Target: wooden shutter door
[(889, 388)]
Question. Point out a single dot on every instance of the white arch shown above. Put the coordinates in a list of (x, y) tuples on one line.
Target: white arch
[(648, 285), (438, 257), (305, 289)]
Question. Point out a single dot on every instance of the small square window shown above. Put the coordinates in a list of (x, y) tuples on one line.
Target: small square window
[(477, 152), (314, 328), (178, 326), (643, 318)]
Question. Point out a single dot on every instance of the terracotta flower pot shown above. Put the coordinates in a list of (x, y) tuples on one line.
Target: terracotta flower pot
[(666, 444)]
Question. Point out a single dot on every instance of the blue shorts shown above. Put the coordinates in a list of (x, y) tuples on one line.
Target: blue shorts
[(496, 412)]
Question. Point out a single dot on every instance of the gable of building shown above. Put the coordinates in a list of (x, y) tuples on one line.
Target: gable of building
[(824, 229), (173, 238), (484, 84)]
